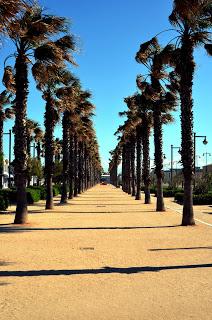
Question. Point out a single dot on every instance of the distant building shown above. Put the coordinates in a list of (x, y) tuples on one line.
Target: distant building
[(207, 169), (5, 177), (105, 178)]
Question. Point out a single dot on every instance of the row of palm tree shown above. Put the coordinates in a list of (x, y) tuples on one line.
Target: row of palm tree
[(171, 71), (44, 46)]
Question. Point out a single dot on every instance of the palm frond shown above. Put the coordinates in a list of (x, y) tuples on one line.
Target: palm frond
[(208, 48)]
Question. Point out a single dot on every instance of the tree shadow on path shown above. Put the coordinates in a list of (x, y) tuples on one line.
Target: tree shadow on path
[(104, 270), (9, 228), (188, 248)]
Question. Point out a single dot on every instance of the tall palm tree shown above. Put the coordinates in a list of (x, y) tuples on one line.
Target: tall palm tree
[(27, 31), (66, 95), (31, 127), (193, 21), (146, 116), (150, 54), (38, 137), (50, 73), (52, 110), (114, 163)]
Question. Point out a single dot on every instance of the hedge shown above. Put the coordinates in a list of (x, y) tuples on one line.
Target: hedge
[(34, 194), (3, 202), (10, 195), (169, 192), (198, 199)]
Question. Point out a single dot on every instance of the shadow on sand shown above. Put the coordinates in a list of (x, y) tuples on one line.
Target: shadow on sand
[(188, 248), (9, 228), (104, 270)]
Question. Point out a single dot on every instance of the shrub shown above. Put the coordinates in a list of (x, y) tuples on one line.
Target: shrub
[(33, 195), (169, 192), (198, 199), (56, 190), (3, 202), (42, 190), (179, 197)]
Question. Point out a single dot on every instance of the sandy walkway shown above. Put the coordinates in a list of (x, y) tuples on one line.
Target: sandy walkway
[(105, 257)]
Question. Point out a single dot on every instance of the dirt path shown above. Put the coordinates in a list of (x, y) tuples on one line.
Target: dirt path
[(105, 256)]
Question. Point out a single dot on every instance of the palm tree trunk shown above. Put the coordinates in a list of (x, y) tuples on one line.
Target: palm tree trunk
[(146, 160), (86, 168), (71, 166), (128, 168), (39, 159), (158, 142), (187, 151), (75, 166), (20, 143), (65, 124), (80, 167), (49, 151), (124, 168), (138, 165), (132, 164)]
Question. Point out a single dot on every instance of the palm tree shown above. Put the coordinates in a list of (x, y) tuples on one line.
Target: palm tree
[(151, 55), (39, 139), (50, 73), (8, 10), (192, 20), (31, 127), (51, 117), (146, 116), (141, 116), (5, 113), (114, 163), (27, 31), (66, 95)]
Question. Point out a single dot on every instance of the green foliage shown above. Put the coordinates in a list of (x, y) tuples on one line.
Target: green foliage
[(42, 190), (58, 171), (10, 195), (203, 184), (34, 168), (167, 191), (3, 201), (198, 199), (33, 195), (56, 190)]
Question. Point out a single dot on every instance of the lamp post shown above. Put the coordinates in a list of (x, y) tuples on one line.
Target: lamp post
[(172, 148), (10, 152), (204, 142), (206, 154)]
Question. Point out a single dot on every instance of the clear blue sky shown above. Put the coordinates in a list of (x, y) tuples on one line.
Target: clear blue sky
[(109, 34)]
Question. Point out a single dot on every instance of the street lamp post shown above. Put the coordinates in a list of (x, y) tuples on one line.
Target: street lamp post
[(10, 152), (206, 154), (172, 148), (204, 142)]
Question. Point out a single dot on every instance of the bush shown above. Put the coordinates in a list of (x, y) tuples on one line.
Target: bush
[(198, 199), (169, 192), (3, 202), (56, 190), (33, 195), (42, 190), (179, 197)]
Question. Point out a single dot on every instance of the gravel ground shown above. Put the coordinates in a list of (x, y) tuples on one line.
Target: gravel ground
[(105, 256)]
